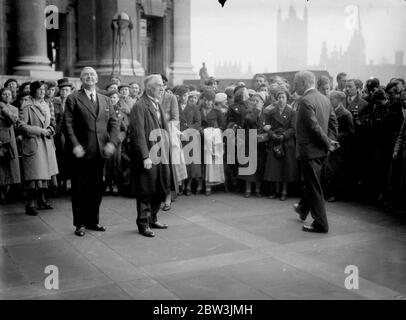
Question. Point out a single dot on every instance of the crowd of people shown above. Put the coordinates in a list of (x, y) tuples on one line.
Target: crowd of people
[(369, 161)]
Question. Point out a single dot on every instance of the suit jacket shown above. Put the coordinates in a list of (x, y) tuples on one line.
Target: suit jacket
[(143, 121), (90, 127), (357, 107), (345, 125), (59, 109), (190, 117), (214, 119), (316, 126)]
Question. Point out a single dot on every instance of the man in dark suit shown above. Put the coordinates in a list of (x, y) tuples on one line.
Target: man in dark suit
[(316, 132), (91, 128), (150, 178)]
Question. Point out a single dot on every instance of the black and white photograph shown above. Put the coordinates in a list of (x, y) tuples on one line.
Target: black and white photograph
[(203, 156)]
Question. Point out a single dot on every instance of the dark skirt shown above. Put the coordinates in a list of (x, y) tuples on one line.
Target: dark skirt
[(283, 169), (258, 176)]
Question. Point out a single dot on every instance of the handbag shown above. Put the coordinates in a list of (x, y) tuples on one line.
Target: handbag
[(278, 151), (6, 152)]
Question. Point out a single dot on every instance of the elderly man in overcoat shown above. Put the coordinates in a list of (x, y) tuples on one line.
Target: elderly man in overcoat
[(316, 134), (150, 179)]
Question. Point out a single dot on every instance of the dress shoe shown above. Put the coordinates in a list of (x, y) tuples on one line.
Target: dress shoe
[(29, 210), (166, 207), (80, 231), (313, 229), (158, 225), (247, 194), (302, 215), (273, 196), (44, 205), (96, 227), (258, 194), (283, 197), (188, 193), (147, 232), (332, 199)]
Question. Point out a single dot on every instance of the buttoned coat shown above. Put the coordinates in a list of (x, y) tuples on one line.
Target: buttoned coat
[(38, 151), (90, 127), (143, 120), (316, 126)]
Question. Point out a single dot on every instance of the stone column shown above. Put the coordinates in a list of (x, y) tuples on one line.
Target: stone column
[(181, 67), (32, 57)]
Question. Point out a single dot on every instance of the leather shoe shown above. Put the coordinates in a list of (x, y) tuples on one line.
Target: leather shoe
[(44, 205), (96, 227), (302, 216), (283, 197), (30, 211), (158, 225), (166, 207), (147, 232), (80, 231), (313, 229)]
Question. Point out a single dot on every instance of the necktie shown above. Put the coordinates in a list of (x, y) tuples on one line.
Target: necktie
[(92, 98)]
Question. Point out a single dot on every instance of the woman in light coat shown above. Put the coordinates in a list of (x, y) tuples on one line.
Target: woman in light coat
[(38, 149), (9, 164)]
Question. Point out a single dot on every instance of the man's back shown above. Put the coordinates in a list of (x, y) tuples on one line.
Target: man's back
[(316, 124)]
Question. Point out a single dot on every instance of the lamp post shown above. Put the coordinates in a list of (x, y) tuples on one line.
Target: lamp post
[(121, 27)]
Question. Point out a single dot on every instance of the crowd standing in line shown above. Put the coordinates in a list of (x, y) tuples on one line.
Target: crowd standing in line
[(41, 125)]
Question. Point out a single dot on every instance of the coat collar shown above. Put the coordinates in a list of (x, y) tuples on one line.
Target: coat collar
[(152, 110), (281, 118)]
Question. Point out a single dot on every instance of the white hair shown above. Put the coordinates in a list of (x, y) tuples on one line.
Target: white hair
[(87, 68), (150, 79), (307, 77)]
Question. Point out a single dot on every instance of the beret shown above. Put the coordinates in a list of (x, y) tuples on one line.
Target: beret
[(220, 97)]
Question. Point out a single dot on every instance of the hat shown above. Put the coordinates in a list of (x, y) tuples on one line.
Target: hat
[(208, 95), (229, 91), (379, 94), (260, 95), (50, 84), (124, 85), (181, 90), (391, 85), (194, 93), (64, 82), (220, 97), (34, 86), (164, 78), (238, 88), (111, 84), (9, 81), (210, 81)]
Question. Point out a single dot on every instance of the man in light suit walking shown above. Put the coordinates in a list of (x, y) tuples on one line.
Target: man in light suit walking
[(316, 132), (91, 129)]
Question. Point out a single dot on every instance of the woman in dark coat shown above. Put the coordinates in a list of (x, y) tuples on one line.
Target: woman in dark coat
[(399, 154), (281, 164), (190, 118), (337, 166), (255, 120), (9, 164), (39, 158), (113, 167)]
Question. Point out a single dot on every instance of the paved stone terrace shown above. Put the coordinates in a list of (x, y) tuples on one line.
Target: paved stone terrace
[(218, 247)]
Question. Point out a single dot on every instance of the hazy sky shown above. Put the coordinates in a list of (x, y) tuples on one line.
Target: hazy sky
[(245, 30)]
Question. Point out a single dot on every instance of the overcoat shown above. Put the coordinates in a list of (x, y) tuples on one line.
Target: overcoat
[(285, 168), (9, 170), (39, 158), (143, 121)]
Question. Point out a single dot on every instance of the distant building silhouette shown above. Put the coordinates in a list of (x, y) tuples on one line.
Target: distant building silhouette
[(231, 70), (291, 41)]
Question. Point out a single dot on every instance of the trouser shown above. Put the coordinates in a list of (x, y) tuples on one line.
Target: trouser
[(87, 190), (312, 199), (147, 209)]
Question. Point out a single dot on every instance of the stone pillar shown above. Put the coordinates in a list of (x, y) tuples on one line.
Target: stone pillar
[(95, 45), (32, 57), (181, 67)]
